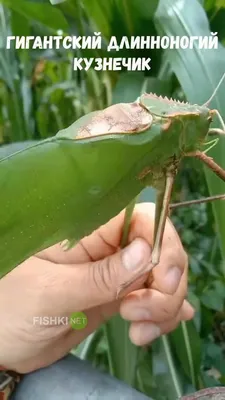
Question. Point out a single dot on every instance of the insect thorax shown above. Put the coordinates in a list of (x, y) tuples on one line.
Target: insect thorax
[(187, 123)]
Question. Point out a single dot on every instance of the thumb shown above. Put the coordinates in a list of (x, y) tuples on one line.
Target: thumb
[(98, 282)]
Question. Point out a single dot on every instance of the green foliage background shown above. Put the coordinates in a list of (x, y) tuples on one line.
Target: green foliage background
[(40, 94)]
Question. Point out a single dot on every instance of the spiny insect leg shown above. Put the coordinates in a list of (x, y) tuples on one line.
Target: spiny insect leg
[(198, 201), (162, 208), (161, 213), (219, 171)]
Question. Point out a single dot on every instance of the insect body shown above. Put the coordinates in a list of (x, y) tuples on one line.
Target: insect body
[(67, 186)]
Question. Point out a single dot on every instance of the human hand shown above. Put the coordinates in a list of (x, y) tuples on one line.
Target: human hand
[(55, 283)]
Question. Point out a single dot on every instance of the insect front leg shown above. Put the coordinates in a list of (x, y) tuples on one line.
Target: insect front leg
[(209, 162), (161, 213)]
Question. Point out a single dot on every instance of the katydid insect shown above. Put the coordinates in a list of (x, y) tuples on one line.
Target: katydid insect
[(65, 187)]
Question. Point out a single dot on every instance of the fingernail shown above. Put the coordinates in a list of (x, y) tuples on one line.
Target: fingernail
[(173, 278), (136, 254), (138, 314), (149, 332)]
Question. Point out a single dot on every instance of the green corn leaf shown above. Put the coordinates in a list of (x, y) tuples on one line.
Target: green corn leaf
[(87, 349), (171, 365), (101, 12), (144, 9), (11, 148), (43, 13), (122, 354), (186, 337), (165, 371), (57, 1)]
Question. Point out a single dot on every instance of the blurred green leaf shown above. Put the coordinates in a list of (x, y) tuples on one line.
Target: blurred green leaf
[(101, 12), (20, 25), (195, 302), (128, 87), (86, 350), (187, 345), (144, 9), (123, 354), (220, 4), (166, 374), (215, 357), (213, 296), (208, 4), (213, 300), (56, 1), (43, 13)]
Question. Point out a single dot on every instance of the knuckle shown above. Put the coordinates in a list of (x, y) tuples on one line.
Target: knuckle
[(104, 274), (170, 310), (171, 326), (167, 313)]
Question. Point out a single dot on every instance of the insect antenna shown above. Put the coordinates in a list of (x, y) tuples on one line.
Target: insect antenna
[(215, 91), (216, 131)]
